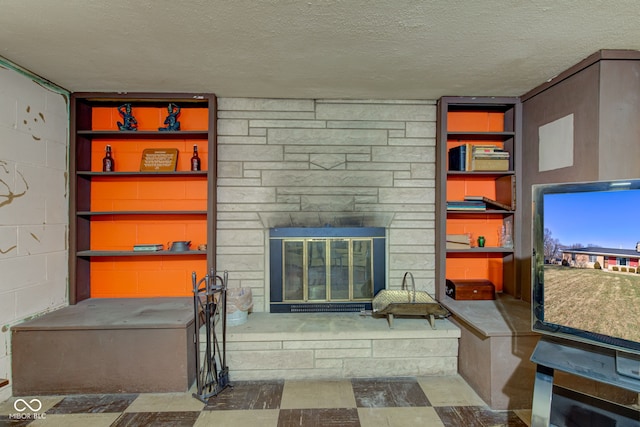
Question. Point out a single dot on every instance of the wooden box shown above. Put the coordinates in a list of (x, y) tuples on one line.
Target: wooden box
[(470, 289)]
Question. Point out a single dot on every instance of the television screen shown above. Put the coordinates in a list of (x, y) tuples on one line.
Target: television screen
[(586, 278)]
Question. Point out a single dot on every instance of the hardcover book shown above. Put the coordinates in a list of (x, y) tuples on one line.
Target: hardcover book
[(457, 158), (148, 247), (465, 205)]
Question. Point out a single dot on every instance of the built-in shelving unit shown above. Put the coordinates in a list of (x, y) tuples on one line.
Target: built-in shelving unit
[(113, 211), (471, 122), (487, 348)]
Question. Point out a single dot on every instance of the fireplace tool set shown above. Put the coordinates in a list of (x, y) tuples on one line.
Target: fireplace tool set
[(210, 308)]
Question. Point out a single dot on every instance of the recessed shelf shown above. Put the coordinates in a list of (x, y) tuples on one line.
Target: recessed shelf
[(98, 213), (480, 136), (479, 212), (143, 134), (96, 253), (484, 250), (485, 174), (142, 174)]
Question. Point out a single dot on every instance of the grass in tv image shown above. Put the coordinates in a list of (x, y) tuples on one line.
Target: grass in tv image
[(591, 261), (593, 300)]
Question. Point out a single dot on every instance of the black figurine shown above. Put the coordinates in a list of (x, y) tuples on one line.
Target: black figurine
[(128, 121), (172, 119)]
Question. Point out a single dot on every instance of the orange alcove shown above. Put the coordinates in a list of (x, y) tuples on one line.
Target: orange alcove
[(147, 275), (471, 265)]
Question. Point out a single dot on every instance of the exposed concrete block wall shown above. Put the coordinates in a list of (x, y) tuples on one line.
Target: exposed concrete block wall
[(325, 162), (34, 149)]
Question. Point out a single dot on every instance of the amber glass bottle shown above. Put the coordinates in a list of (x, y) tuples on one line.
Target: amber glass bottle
[(108, 165), (195, 159)]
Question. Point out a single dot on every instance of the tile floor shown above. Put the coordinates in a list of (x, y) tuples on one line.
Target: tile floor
[(423, 401)]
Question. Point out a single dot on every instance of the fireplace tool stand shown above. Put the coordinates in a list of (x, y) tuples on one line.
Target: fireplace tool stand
[(210, 308)]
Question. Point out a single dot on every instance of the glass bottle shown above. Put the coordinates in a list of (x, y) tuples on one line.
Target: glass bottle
[(108, 164), (195, 159), (507, 233)]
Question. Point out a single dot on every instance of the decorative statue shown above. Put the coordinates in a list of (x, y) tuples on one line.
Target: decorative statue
[(128, 121), (172, 119)]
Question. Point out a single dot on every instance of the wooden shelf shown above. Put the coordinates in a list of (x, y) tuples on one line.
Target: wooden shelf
[(96, 213), (127, 174), (486, 174), (479, 212), (95, 253), (484, 250), (481, 136), (142, 134)]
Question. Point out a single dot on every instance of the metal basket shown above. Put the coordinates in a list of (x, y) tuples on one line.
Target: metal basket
[(407, 302)]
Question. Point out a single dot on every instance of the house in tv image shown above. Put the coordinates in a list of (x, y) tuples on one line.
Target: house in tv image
[(624, 260)]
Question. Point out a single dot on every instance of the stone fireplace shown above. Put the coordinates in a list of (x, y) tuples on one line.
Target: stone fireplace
[(325, 269), (286, 163)]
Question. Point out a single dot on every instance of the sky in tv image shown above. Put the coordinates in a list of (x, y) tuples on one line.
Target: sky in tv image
[(601, 218)]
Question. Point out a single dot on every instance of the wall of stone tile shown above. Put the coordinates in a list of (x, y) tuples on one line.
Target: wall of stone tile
[(304, 162), (33, 203), (310, 345)]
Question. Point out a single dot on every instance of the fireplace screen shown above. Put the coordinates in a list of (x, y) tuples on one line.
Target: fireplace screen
[(324, 273), (327, 269)]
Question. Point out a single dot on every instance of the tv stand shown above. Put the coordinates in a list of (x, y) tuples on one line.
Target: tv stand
[(551, 404)]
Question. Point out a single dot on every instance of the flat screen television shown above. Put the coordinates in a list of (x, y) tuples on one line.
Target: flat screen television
[(586, 264)]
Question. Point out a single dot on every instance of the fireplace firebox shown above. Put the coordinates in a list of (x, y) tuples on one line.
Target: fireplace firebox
[(325, 269)]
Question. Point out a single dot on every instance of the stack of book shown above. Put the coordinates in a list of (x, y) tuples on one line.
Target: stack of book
[(478, 157), (466, 205)]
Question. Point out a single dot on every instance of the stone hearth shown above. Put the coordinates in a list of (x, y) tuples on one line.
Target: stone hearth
[(339, 345)]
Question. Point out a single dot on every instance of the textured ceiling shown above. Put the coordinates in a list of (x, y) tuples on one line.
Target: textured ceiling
[(364, 49)]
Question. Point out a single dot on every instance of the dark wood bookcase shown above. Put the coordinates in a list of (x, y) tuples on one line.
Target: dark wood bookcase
[(478, 121), (121, 212)]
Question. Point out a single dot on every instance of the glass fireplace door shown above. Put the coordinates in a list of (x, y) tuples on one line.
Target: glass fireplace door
[(331, 269)]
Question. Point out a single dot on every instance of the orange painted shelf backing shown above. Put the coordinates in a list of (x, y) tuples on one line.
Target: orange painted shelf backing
[(148, 193), (460, 186), (486, 225), (138, 277), (476, 266), (150, 118), (475, 121), (121, 232)]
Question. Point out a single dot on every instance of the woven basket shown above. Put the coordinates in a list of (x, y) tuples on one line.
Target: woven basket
[(404, 296)]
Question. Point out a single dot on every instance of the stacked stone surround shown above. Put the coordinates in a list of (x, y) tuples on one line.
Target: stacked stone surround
[(325, 162), (339, 345)]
